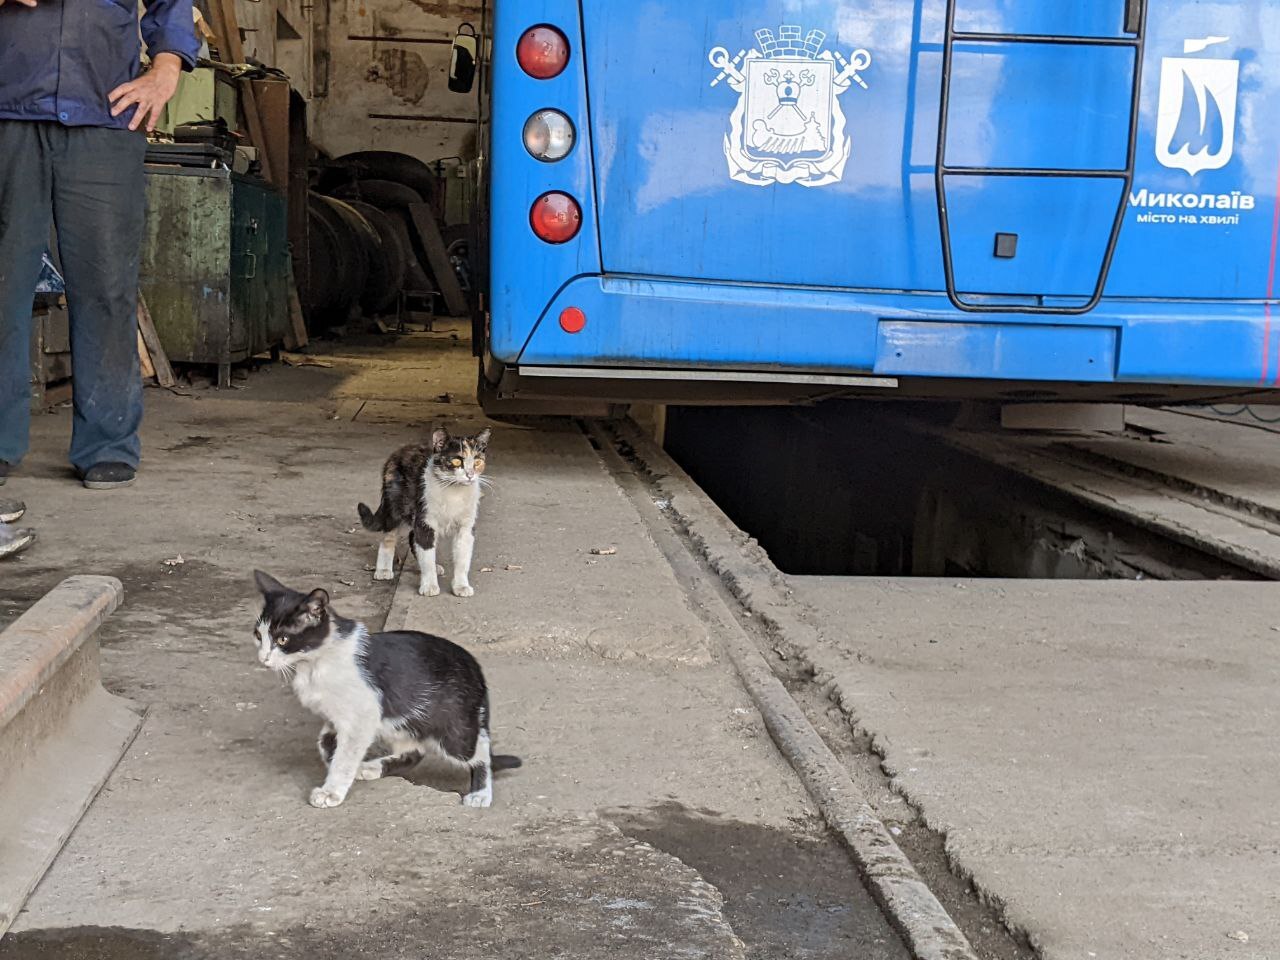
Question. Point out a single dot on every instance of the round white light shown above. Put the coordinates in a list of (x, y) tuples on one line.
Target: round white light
[(549, 135)]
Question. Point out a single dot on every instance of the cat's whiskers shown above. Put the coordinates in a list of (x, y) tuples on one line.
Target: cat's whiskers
[(285, 671)]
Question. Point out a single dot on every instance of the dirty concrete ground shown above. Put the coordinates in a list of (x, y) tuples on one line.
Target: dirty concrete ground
[(1237, 458), (1099, 755), (652, 817)]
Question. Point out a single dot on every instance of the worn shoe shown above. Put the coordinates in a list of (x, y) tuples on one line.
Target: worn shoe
[(108, 476), (11, 511), (13, 542)]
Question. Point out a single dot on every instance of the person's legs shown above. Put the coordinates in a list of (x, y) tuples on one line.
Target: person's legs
[(99, 197), (25, 210)]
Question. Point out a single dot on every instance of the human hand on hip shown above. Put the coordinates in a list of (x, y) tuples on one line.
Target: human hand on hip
[(150, 92)]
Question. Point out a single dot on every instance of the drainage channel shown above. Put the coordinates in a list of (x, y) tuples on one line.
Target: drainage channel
[(650, 475)]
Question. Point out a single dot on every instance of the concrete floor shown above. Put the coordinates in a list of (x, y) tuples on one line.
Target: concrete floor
[(652, 817), (1101, 756), (1237, 457)]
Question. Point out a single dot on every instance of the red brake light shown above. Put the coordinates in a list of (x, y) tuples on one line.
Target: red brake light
[(555, 217), (543, 52)]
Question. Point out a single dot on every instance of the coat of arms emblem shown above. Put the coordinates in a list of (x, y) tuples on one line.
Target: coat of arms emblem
[(1196, 118), (788, 126)]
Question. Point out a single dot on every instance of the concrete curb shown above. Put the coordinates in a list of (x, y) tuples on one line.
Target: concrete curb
[(920, 918), (41, 640), (61, 734)]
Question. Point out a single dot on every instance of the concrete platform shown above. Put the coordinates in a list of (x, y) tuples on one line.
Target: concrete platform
[(653, 816), (539, 588), (1102, 756)]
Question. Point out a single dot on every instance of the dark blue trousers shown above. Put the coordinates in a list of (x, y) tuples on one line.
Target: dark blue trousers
[(89, 183)]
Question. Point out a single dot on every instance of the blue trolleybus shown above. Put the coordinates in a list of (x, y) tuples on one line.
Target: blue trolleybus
[(725, 201)]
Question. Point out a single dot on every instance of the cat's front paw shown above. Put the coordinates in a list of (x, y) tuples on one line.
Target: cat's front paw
[(321, 797), (429, 590), (463, 590), (481, 798), (384, 574), (370, 770)]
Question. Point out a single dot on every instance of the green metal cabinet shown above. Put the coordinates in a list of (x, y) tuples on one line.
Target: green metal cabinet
[(202, 94), (214, 265)]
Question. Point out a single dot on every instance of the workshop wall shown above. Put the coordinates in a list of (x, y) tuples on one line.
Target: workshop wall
[(374, 72)]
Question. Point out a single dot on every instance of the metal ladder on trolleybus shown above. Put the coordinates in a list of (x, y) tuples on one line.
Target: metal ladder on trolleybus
[(1135, 25)]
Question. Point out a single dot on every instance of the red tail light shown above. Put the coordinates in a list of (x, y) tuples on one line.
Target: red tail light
[(543, 52), (555, 217), (572, 320)]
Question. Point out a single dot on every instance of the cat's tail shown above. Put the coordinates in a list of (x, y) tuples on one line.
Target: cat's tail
[(505, 761), (380, 521)]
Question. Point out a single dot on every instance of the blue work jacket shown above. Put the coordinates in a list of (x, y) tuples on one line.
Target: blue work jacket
[(60, 59)]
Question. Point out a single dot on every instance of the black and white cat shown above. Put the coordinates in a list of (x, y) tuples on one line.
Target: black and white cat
[(411, 693), (434, 490)]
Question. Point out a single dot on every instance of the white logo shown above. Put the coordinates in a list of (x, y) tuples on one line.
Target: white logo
[(1196, 119), (788, 126)]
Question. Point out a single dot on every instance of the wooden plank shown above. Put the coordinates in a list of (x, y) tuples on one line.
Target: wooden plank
[(221, 39), (272, 97), (144, 358), (424, 221), (159, 359), (257, 134), (226, 28), (296, 338)]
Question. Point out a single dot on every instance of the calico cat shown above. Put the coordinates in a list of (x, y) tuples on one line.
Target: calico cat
[(412, 693), (435, 491)]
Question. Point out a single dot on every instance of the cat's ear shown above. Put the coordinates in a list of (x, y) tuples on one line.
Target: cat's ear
[(439, 439), (481, 440), (267, 584), (316, 603)]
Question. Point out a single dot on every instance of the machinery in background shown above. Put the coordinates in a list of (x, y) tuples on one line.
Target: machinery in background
[(378, 243)]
